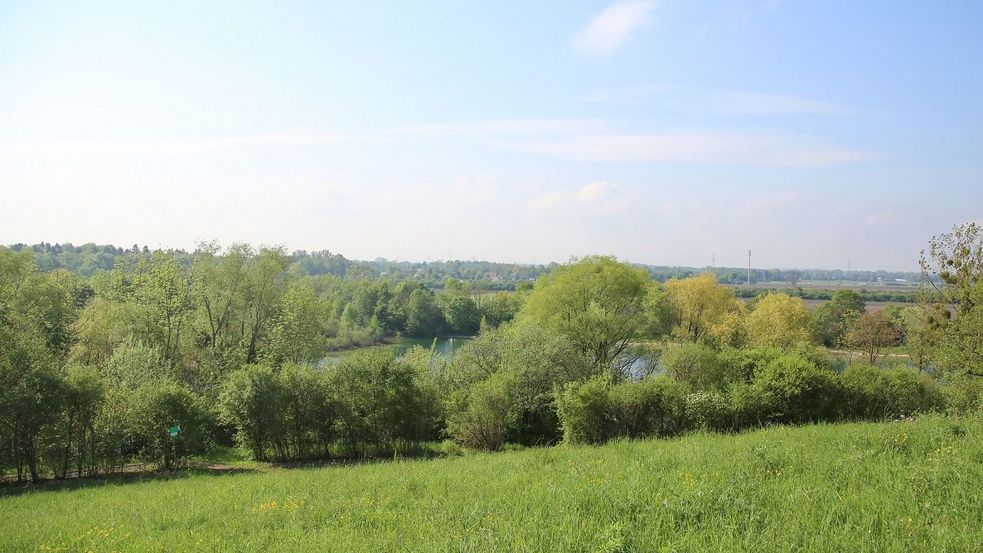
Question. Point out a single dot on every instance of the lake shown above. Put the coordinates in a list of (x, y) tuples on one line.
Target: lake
[(445, 346)]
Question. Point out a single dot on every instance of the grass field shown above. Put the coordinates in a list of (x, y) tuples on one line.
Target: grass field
[(898, 486)]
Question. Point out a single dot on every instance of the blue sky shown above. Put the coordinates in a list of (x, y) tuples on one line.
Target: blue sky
[(662, 132)]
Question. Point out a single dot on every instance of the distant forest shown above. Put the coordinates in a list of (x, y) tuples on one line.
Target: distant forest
[(87, 259)]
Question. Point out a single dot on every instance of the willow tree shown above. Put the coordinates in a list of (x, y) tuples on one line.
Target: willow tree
[(598, 302)]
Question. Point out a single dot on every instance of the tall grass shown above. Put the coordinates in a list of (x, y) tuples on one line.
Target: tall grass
[(900, 486)]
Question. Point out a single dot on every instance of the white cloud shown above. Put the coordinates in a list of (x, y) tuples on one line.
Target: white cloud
[(595, 191), (609, 30), (596, 198)]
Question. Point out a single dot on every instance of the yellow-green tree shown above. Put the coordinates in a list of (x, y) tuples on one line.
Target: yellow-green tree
[(703, 309), (779, 320)]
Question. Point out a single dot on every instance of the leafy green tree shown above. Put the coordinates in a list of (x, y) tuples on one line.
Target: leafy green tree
[(953, 266), (31, 393), (423, 316), (834, 317), (695, 365), (298, 333), (923, 329), (597, 302), (463, 315), (252, 402)]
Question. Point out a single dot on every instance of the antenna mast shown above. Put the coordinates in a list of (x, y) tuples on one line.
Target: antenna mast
[(749, 267)]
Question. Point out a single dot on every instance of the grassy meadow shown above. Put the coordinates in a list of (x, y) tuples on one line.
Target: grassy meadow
[(895, 486)]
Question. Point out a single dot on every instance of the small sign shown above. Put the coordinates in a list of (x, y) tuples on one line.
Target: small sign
[(174, 431)]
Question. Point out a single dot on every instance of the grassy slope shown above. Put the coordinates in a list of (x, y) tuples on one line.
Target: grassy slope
[(900, 486)]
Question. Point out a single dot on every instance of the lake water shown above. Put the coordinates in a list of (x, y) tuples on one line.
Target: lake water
[(634, 363), (445, 346)]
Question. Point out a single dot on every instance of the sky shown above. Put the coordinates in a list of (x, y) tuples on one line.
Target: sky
[(662, 132)]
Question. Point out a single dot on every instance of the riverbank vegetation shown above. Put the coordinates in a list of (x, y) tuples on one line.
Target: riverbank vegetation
[(167, 356)]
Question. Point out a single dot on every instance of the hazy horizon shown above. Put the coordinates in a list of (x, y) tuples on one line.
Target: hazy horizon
[(665, 133)]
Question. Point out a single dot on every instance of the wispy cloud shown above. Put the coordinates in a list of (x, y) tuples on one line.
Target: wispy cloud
[(503, 127), (753, 103), (623, 94), (728, 147), (724, 102), (609, 30), (62, 149)]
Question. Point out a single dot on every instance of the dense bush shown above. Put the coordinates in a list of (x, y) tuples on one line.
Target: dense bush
[(598, 410), (516, 367), (709, 410), (696, 365), (800, 391), (877, 393)]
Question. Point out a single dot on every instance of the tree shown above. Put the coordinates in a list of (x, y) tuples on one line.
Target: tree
[(779, 320), (30, 393), (423, 316), (700, 304), (833, 317), (298, 334), (597, 302), (953, 268), (463, 316), (871, 333), (923, 327)]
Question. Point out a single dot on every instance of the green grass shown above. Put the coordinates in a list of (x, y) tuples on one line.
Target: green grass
[(901, 486)]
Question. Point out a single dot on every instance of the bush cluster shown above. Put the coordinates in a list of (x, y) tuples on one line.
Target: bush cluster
[(758, 387)]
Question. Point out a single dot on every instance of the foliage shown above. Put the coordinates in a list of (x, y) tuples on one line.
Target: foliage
[(597, 302), (597, 410), (834, 316), (702, 308), (779, 320), (871, 333), (956, 260), (695, 365), (800, 391)]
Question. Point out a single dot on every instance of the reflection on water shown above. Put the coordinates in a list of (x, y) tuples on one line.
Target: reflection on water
[(444, 346), (633, 363)]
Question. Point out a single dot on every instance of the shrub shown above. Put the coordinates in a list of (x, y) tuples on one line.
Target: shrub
[(481, 416), (649, 407), (595, 411), (251, 401), (868, 392), (584, 409), (709, 410), (913, 392), (695, 365), (963, 393), (874, 393), (802, 392), (157, 408), (750, 405)]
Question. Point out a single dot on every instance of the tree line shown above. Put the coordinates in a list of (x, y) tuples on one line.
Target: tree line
[(161, 358)]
